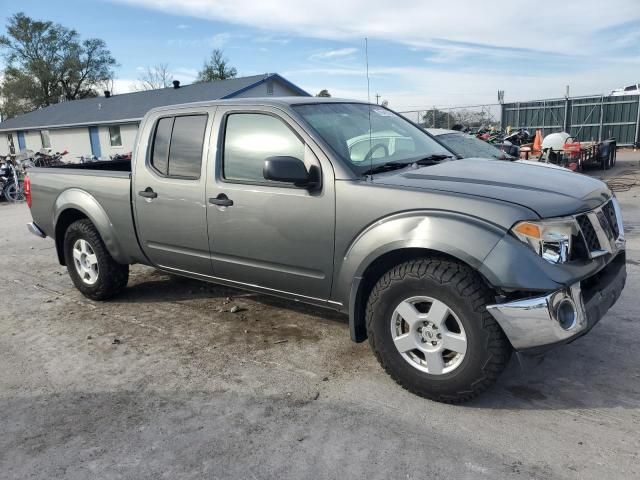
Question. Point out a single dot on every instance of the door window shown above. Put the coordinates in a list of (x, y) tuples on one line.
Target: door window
[(177, 146), (249, 139)]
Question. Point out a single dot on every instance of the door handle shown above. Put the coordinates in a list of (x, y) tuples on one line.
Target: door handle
[(148, 193), (221, 201)]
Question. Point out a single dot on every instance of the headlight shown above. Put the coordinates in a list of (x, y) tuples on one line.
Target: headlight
[(551, 239)]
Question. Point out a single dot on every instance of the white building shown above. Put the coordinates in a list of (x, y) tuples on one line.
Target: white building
[(105, 126)]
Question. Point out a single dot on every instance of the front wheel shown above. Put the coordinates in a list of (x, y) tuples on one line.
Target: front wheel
[(429, 328), (91, 268), (14, 192)]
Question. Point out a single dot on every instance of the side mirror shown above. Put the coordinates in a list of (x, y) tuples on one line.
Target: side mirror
[(286, 169)]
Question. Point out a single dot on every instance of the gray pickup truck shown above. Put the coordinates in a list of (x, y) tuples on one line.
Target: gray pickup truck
[(445, 265)]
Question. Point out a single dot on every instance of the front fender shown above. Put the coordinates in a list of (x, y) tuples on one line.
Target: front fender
[(464, 237), (77, 199)]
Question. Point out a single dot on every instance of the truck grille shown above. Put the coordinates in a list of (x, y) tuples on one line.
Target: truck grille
[(610, 214), (589, 233), (601, 230)]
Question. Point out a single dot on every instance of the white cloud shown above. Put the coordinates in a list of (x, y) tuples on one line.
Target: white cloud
[(333, 54), (183, 26), (272, 39), (219, 39), (551, 25), (124, 85), (215, 41), (471, 49), (422, 87)]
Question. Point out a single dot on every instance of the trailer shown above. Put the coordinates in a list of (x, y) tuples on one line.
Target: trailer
[(569, 152)]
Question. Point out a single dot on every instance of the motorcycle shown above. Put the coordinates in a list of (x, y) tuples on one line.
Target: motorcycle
[(11, 185)]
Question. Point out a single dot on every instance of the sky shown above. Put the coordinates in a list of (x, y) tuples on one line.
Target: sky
[(421, 53)]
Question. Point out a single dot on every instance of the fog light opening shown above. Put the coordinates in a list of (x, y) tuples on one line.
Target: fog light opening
[(566, 314)]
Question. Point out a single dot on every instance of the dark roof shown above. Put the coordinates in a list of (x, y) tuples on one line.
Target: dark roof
[(133, 106)]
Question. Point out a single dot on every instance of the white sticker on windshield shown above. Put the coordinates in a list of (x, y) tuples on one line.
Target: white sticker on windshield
[(382, 112)]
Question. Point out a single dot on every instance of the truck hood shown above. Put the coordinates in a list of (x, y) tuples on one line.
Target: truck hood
[(549, 192)]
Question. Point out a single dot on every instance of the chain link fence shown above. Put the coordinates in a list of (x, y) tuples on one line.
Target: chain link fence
[(471, 116)]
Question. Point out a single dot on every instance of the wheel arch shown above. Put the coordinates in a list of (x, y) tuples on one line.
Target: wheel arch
[(75, 204), (363, 285), (461, 238)]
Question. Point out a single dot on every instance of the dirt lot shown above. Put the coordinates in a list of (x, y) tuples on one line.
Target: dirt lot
[(166, 382)]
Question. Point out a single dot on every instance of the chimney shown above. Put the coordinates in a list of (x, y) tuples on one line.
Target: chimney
[(176, 84), (107, 94)]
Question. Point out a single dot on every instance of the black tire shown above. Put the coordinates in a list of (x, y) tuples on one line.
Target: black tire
[(464, 292), (14, 193), (112, 276)]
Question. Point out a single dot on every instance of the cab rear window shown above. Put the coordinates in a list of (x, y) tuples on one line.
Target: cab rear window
[(177, 146)]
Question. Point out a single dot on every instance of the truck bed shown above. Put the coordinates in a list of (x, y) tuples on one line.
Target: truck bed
[(110, 165), (101, 188)]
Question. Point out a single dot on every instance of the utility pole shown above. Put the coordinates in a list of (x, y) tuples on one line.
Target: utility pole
[(377, 98)]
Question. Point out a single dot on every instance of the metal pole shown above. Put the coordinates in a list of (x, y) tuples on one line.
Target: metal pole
[(565, 123), (518, 115), (601, 118), (637, 139)]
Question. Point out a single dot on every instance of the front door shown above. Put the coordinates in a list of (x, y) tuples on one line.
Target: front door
[(22, 145), (94, 138), (169, 191), (275, 236)]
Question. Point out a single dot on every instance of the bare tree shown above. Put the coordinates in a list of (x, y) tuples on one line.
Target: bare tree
[(108, 84), (155, 77)]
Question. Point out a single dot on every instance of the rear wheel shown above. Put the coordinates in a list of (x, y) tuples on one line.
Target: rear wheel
[(429, 328), (91, 268)]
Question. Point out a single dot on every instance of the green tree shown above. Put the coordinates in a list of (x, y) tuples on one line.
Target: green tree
[(216, 68), (47, 62), (438, 118), (323, 93)]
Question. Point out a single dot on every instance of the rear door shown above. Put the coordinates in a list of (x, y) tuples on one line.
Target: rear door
[(169, 190), (275, 236)]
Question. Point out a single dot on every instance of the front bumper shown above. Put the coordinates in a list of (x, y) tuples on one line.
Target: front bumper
[(535, 324)]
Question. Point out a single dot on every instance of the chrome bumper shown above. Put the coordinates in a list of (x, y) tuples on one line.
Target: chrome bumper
[(33, 228), (541, 321)]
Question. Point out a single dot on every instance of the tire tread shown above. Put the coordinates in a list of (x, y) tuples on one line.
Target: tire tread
[(468, 285)]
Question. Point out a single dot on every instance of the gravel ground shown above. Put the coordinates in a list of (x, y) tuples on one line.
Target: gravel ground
[(166, 382)]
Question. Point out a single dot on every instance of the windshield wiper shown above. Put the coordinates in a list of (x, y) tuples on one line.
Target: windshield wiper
[(432, 159), (397, 164), (386, 167)]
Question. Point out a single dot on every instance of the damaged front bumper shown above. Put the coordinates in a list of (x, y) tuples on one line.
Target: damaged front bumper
[(537, 323)]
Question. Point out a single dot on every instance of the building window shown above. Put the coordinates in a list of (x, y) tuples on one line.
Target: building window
[(114, 136), (44, 138)]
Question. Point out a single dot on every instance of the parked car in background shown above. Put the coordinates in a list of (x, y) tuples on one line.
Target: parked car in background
[(445, 265), (629, 90), (468, 146)]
